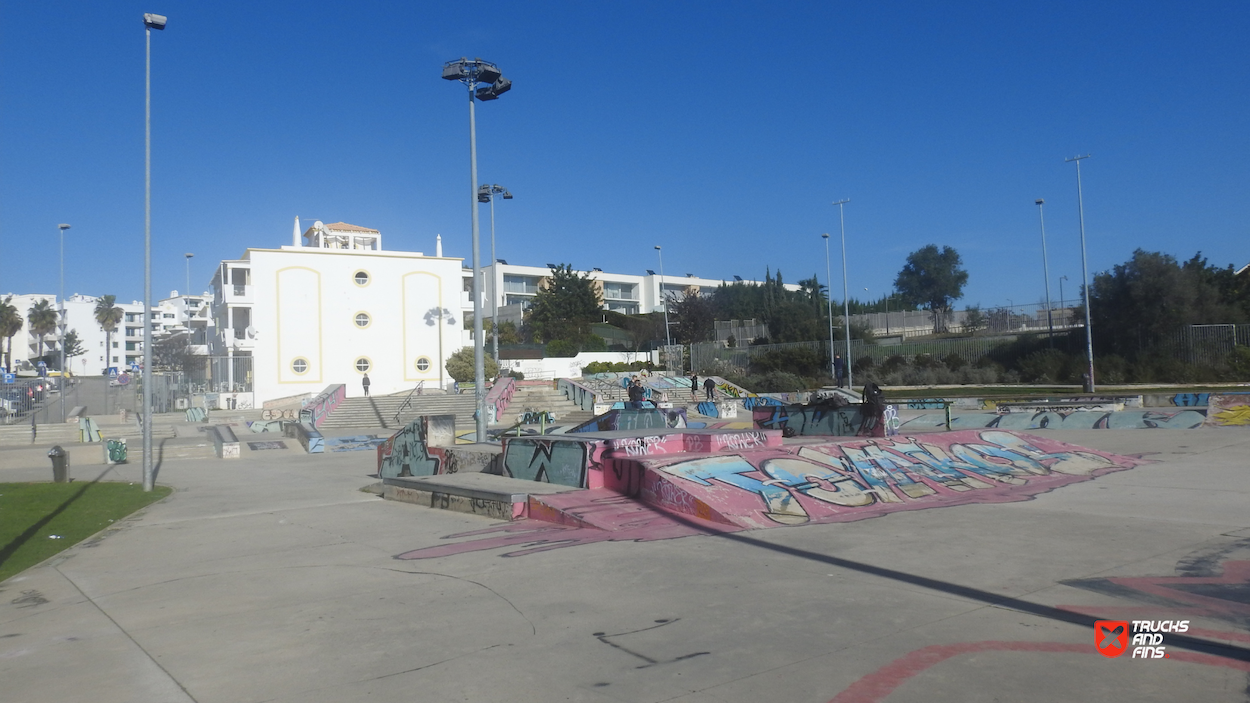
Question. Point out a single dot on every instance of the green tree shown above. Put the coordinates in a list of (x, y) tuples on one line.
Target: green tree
[(108, 315), (460, 366), (695, 319), (10, 324), (565, 308), (42, 318), (974, 319), (1137, 303), (73, 347), (933, 279)]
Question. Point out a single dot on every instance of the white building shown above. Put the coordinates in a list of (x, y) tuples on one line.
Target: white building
[(332, 307), (513, 288)]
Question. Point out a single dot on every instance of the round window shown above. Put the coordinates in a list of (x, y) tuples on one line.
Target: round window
[(300, 365), (363, 364), (363, 319), (423, 364), (361, 278)]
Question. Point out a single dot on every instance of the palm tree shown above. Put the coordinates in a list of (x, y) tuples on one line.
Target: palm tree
[(42, 318), (10, 324), (108, 315)]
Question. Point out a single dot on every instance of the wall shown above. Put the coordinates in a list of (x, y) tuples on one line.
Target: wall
[(570, 367), (305, 302)]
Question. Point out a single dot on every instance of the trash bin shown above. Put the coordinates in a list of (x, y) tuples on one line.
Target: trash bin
[(115, 451), (60, 464)]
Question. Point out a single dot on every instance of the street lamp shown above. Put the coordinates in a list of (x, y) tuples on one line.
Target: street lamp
[(188, 272), (846, 304), (1050, 323), (486, 194), (1089, 331), (484, 82), (61, 320), (667, 334), (150, 22), (1061, 280), (829, 300)]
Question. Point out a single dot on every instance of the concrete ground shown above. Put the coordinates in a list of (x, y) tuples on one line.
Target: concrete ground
[(273, 578)]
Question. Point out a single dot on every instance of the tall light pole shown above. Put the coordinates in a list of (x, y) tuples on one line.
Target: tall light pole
[(829, 301), (1089, 330), (1061, 280), (487, 193), (188, 272), (846, 296), (1050, 323), (150, 22), (473, 73), (61, 321), (667, 334)]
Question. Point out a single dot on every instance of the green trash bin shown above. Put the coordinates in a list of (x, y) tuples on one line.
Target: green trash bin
[(115, 451)]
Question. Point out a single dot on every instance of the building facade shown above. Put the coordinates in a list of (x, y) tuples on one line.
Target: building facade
[(333, 307)]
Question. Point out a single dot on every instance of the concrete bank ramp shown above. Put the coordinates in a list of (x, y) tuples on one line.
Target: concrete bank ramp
[(765, 484)]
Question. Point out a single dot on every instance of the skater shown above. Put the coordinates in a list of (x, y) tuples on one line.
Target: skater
[(694, 386), (710, 387), (839, 370)]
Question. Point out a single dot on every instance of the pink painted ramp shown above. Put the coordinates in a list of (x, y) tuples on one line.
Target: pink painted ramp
[(840, 481), (605, 509)]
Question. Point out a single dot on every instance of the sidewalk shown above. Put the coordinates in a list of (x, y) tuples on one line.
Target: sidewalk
[(273, 578)]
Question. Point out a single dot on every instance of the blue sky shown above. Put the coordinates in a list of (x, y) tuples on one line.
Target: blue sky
[(721, 131)]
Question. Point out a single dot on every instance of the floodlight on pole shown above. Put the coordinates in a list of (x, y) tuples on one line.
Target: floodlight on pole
[(829, 299), (486, 194), (1089, 330), (1050, 323), (846, 302), (61, 321), (188, 272), (668, 335), (484, 82), (150, 22)]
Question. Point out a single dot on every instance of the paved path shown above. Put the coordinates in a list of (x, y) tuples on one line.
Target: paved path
[(273, 578)]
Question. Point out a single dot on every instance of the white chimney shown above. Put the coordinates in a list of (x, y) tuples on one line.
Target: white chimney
[(438, 246), (295, 235)]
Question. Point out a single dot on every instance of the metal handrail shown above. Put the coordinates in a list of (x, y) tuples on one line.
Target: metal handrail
[(418, 389)]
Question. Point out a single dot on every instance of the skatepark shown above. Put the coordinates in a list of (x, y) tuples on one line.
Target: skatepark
[(767, 560)]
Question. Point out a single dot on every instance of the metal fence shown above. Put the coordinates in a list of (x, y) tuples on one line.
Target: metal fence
[(712, 356), (1208, 345), (1001, 319), (222, 374)]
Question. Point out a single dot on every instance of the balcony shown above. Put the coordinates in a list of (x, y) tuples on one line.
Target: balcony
[(237, 294)]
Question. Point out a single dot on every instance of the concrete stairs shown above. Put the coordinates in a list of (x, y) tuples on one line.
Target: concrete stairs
[(379, 411), (539, 399), (19, 434)]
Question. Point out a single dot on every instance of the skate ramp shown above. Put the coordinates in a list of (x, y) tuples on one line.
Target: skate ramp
[(765, 485)]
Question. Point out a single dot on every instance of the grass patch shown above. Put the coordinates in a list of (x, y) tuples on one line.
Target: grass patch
[(32, 513)]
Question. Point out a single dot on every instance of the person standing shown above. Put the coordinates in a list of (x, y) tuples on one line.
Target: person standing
[(709, 386), (694, 386), (365, 382), (839, 370)]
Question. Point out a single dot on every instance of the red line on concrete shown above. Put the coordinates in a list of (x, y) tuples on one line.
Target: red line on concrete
[(875, 687)]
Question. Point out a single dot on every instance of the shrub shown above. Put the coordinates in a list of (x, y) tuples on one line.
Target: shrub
[(1239, 363), (893, 364), (460, 366), (954, 362), (561, 348)]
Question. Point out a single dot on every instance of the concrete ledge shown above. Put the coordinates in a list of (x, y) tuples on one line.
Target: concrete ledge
[(225, 444), (307, 435), (76, 412), (496, 497)]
